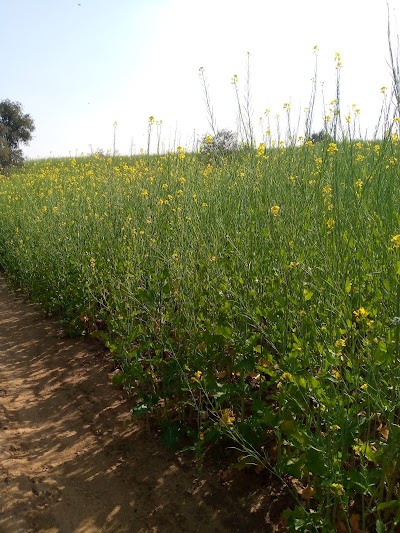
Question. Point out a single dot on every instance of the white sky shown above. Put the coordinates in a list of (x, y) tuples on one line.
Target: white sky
[(77, 69)]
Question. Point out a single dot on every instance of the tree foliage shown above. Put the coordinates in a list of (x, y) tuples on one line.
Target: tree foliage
[(321, 136), (223, 142), (16, 128)]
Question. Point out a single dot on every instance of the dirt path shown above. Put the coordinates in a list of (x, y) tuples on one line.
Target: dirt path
[(71, 461)]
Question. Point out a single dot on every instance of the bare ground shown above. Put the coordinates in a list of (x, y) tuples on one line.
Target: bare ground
[(71, 460)]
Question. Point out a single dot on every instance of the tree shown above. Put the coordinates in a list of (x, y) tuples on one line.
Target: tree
[(15, 128), (223, 142)]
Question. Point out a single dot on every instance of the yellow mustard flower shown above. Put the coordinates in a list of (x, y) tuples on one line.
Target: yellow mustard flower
[(261, 149), (361, 313), (395, 240), (337, 487), (332, 149), (227, 417)]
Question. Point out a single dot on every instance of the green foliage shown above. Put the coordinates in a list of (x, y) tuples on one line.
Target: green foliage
[(15, 128), (254, 302)]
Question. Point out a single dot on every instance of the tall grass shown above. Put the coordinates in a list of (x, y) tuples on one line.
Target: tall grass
[(254, 297)]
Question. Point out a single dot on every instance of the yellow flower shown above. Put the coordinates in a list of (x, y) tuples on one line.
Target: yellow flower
[(360, 313), (364, 386), (338, 60), (275, 210), (197, 375), (144, 193), (227, 417), (261, 149), (332, 149), (395, 240), (340, 343), (338, 488), (335, 374), (330, 223)]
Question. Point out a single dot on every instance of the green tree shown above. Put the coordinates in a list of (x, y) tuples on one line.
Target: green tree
[(16, 128)]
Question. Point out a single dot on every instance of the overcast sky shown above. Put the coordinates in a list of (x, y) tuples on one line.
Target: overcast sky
[(78, 66)]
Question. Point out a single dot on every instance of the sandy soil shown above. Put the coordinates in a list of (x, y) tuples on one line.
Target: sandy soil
[(71, 460)]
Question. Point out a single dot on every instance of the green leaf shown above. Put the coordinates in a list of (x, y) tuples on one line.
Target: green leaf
[(384, 506), (348, 286), (301, 382), (372, 455), (266, 370), (313, 382), (380, 527), (288, 427), (224, 331), (307, 294), (140, 408)]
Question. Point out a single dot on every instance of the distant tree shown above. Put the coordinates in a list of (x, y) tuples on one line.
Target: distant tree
[(15, 128), (223, 142), (322, 135)]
